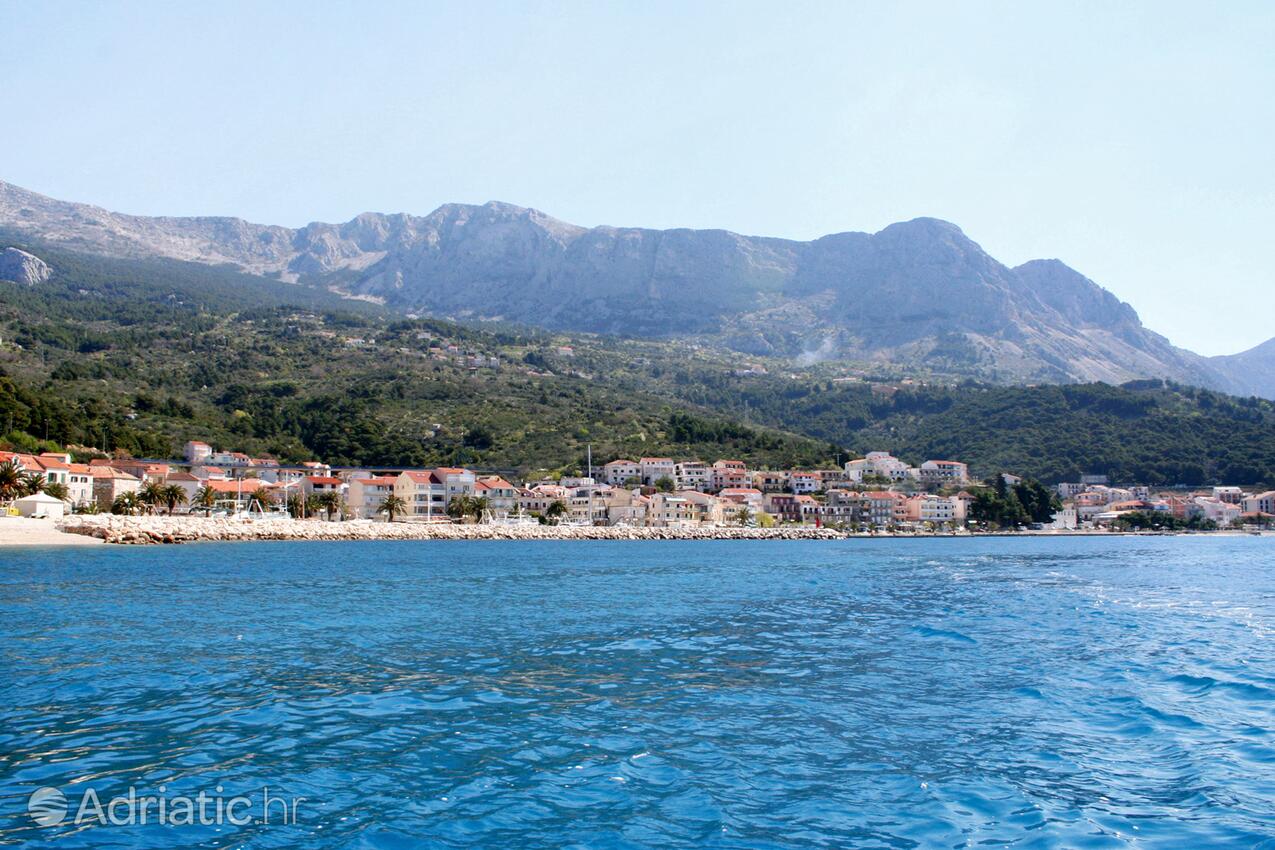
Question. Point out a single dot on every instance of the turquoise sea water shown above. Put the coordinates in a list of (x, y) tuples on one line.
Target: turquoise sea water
[(893, 693)]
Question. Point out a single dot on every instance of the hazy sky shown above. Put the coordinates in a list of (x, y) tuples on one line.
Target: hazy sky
[(1134, 141)]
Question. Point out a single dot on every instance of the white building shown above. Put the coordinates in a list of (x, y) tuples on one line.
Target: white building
[(501, 496), (1222, 513), (655, 468), (1261, 503), (226, 459), (692, 475), (668, 509), (1065, 520), (197, 452), (881, 464), (79, 485), (618, 473), (456, 481), (805, 482), (943, 473), (1070, 490)]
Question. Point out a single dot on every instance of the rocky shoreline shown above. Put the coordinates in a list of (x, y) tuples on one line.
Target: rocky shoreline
[(162, 529), (186, 529)]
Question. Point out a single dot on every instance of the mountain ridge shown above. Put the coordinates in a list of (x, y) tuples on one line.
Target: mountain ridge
[(918, 293)]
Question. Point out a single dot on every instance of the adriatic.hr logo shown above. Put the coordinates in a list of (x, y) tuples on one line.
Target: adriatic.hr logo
[(49, 807)]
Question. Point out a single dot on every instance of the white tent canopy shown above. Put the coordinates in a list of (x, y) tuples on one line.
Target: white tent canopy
[(40, 504)]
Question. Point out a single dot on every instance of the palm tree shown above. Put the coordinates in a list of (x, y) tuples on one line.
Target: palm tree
[(10, 479), (464, 506), (392, 505), (151, 495), (173, 495), (56, 489), (296, 505), (330, 502), (555, 511), (456, 507), (206, 498), (30, 483), (127, 504)]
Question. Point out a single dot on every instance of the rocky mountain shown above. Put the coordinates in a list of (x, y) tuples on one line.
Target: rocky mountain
[(918, 293), (1250, 372), (20, 267)]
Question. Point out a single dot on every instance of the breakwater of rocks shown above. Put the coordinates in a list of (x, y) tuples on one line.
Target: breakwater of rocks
[(184, 529)]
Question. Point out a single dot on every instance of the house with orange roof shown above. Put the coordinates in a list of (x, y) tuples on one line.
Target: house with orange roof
[(1260, 503), (207, 472), (424, 492), (110, 483), (366, 494), (941, 511), (731, 474), (783, 506), (805, 482), (885, 508), (57, 467), (456, 481), (190, 484), (241, 492), (749, 497), (312, 484), (540, 497), (770, 480), (501, 496)]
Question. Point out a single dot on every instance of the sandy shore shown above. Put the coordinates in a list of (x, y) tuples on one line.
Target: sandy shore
[(20, 531)]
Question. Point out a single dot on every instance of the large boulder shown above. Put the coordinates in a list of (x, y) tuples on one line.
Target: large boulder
[(20, 267)]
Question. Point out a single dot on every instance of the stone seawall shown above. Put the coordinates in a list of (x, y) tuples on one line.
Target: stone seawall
[(161, 529)]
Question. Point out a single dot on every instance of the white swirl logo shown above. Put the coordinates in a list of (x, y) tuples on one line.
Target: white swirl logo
[(47, 806)]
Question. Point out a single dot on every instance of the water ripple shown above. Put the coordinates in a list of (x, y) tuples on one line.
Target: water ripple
[(892, 694)]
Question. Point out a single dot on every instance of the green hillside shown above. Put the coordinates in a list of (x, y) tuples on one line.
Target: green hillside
[(1148, 431), (142, 355)]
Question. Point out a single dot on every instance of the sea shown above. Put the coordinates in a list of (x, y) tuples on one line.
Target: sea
[(888, 693)]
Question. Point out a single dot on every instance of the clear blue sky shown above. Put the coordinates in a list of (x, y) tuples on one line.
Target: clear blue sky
[(1132, 140)]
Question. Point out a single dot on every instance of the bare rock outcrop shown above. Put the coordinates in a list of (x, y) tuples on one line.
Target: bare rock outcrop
[(20, 267)]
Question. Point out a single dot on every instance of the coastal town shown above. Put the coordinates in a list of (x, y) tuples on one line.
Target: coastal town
[(878, 493)]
